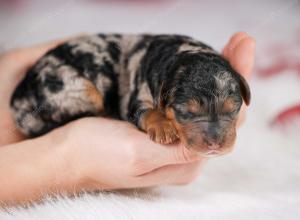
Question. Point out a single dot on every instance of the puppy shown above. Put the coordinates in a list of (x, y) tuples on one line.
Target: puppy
[(169, 86)]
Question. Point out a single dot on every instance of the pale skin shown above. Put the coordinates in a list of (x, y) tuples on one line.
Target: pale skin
[(91, 153)]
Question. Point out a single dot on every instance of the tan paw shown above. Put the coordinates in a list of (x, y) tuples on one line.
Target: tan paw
[(162, 132)]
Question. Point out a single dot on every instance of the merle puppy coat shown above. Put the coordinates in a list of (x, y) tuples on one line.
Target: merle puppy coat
[(169, 86)]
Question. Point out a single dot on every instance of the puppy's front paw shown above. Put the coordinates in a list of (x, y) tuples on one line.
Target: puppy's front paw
[(162, 132), (159, 128)]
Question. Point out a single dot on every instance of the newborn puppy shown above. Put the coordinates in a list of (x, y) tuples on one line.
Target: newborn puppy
[(169, 86)]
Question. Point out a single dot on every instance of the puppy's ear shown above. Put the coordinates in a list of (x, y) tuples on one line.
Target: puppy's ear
[(245, 89)]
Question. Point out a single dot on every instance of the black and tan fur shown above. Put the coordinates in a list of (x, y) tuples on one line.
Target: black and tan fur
[(167, 85)]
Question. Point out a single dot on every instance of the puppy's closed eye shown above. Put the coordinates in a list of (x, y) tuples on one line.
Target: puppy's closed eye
[(229, 109), (193, 106)]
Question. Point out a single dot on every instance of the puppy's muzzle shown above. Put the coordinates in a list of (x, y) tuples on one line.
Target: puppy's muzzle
[(209, 139)]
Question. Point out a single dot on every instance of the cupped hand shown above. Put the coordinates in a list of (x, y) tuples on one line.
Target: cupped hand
[(113, 154), (110, 154)]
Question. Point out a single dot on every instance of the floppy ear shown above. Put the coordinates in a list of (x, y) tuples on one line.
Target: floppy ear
[(245, 89)]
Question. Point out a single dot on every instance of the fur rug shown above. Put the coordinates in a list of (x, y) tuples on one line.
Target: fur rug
[(260, 179)]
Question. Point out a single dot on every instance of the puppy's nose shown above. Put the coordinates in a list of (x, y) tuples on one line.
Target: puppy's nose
[(213, 146)]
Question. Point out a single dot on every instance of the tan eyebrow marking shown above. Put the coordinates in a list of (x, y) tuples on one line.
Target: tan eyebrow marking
[(228, 105)]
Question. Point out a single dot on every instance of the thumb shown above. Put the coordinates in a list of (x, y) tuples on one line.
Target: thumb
[(180, 154), (158, 155)]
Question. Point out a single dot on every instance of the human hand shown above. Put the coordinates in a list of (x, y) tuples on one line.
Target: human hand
[(146, 162), (113, 154)]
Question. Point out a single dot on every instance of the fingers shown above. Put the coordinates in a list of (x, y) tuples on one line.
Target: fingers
[(32, 54), (242, 57), (179, 154), (151, 155), (40, 49), (27, 56), (240, 53), (21, 59), (234, 40), (171, 174)]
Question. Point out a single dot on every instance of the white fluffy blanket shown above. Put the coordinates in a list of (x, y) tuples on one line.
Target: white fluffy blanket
[(260, 179)]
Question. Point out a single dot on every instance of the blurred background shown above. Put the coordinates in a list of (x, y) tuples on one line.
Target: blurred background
[(261, 178), (29, 21), (275, 24)]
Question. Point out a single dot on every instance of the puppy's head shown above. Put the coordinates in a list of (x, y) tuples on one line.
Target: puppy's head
[(204, 102)]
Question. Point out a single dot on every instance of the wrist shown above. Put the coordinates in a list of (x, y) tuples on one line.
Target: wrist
[(62, 159), (70, 159), (45, 170)]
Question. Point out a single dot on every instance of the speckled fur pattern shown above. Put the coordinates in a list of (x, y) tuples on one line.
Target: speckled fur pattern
[(122, 76)]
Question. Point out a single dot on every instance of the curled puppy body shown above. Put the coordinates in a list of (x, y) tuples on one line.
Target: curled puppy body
[(169, 86)]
